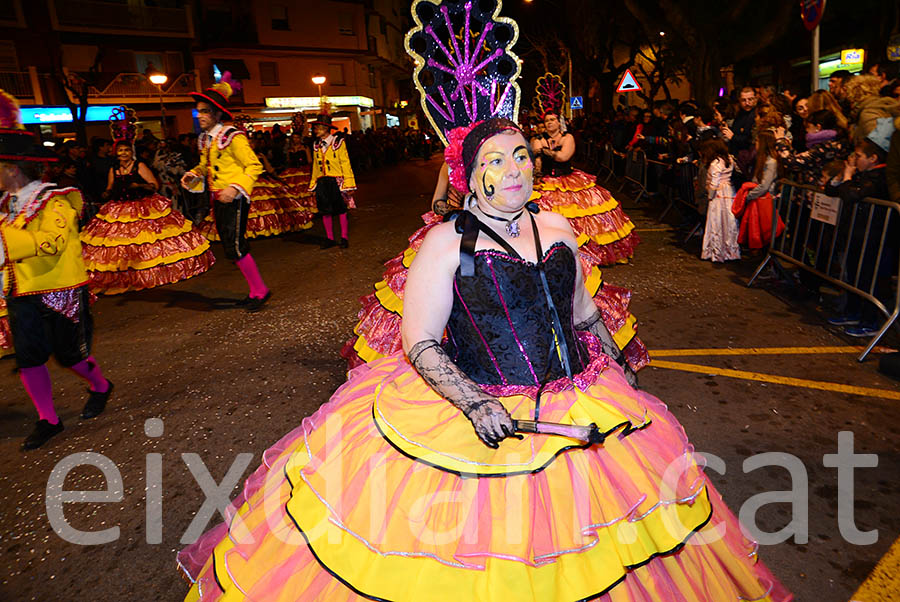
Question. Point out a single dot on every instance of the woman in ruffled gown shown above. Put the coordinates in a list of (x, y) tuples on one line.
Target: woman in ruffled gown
[(415, 482), (277, 203), (605, 233), (137, 240), (377, 333)]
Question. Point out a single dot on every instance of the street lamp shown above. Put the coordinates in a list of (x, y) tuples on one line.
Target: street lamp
[(158, 78), (319, 80)]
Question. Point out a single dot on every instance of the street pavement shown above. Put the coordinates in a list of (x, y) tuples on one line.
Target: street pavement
[(224, 382)]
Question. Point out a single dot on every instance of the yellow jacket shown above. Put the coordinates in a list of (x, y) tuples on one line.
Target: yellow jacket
[(40, 251), (226, 159), (331, 160)]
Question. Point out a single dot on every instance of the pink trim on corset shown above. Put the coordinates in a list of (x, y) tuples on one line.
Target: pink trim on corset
[(582, 380), (490, 264), (504, 255), (472, 320)]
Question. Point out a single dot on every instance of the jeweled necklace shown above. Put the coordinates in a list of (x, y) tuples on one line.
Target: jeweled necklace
[(512, 224)]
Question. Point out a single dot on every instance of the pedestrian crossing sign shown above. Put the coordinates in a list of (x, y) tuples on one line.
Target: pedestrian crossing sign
[(628, 83), (576, 102)]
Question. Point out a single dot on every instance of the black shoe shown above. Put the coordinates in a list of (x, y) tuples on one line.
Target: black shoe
[(256, 304), (345, 243), (96, 402), (243, 302), (43, 432), (327, 244)]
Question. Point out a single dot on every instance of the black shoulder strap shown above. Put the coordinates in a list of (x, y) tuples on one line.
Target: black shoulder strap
[(467, 225), (497, 239), (562, 348)]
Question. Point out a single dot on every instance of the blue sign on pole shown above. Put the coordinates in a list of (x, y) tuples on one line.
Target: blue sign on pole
[(576, 102), (30, 115)]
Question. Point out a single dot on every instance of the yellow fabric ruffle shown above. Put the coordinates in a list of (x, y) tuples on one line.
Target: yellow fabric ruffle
[(388, 299), (144, 237), (151, 263), (610, 237), (127, 219), (366, 353), (574, 211)]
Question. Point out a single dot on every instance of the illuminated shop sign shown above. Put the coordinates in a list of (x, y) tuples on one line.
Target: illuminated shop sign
[(314, 102), (852, 56), (63, 114)]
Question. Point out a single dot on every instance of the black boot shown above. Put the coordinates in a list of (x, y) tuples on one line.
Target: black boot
[(345, 243), (327, 244), (96, 402), (257, 304), (43, 432)]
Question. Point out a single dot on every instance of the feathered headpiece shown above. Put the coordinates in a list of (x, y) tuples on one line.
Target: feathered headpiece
[(465, 68), (17, 143), (122, 126), (219, 93), (550, 94), (10, 116)]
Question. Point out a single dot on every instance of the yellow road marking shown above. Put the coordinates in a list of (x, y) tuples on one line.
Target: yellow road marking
[(883, 583), (778, 380), (764, 351)]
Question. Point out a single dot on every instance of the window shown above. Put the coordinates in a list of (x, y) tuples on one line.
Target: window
[(372, 82), (280, 17), (268, 73), (345, 24), (336, 74)]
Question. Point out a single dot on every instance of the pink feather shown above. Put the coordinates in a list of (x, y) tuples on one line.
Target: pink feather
[(235, 84)]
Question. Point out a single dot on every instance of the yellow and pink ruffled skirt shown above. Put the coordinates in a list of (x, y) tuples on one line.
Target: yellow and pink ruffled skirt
[(277, 206), (605, 234), (385, 493), (134, 245)]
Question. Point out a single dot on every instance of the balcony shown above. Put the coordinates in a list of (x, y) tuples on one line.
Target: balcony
[(133, 18), (133, 87), (18, 84)]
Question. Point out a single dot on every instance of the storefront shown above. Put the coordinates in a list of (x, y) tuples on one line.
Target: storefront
[(348, 112)]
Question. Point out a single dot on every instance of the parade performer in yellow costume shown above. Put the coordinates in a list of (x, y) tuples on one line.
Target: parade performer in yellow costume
[(606, 233), (228, 170), (138, 240), (332, 178), (42, 276), (277, 204)]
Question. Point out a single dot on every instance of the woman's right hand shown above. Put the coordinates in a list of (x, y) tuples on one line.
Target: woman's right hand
[(491, 421)]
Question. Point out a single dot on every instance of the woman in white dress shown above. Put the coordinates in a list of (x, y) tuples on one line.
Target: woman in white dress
[(720, 239)]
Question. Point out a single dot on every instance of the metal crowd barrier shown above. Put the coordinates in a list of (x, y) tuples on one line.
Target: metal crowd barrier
[(607, 161), (837, 244), (636, 172)]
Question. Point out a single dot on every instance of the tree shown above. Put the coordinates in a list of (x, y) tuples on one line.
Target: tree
[(714, 34), (660, 65), (75, 90)]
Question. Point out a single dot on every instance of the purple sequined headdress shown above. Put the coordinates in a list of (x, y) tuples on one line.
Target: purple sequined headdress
[(465, 67)]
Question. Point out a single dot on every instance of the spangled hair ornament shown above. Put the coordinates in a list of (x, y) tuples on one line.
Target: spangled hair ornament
[(465, 68), (550, 94), (122, 126)]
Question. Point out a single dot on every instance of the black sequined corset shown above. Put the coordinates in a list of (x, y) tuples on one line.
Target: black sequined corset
[(555, 168), (129, 186), (502, 329)]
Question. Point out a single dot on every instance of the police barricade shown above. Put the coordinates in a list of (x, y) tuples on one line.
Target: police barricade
[(607, 161), (854, 248), (636, 172)]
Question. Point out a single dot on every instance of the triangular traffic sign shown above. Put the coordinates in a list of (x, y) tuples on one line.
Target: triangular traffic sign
[(628, 83), (577, 103)]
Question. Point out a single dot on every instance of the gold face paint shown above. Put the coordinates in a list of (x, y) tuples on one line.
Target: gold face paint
[(124, 152), (503, 176)]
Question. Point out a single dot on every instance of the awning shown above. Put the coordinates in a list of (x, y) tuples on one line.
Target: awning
[(236, 66)]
